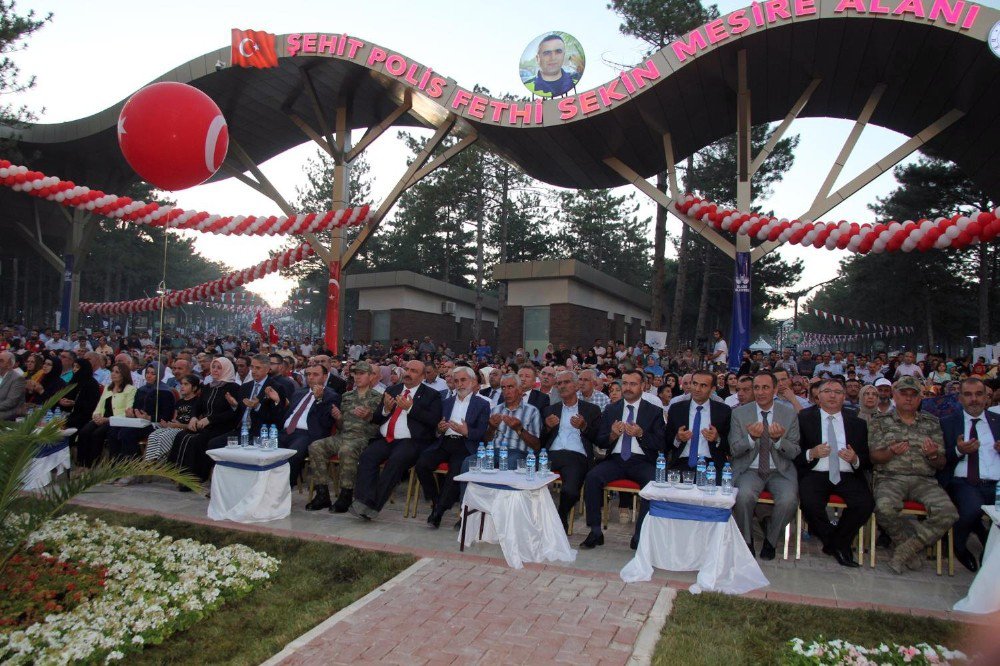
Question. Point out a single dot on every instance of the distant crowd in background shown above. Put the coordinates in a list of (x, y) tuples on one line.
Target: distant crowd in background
[(899, 427)]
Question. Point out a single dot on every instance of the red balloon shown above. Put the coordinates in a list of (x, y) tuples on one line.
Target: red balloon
[(173, 135)]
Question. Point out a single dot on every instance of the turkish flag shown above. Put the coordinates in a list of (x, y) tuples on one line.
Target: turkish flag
[(253, 48), (272, 334), (258, 325)]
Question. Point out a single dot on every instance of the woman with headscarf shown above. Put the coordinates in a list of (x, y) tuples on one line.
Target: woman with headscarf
[(43, 382), (152, 400), (216, 413), (868, 402)]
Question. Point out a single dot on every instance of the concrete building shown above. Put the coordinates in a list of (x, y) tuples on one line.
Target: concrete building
[(403, 304), (565, 301)]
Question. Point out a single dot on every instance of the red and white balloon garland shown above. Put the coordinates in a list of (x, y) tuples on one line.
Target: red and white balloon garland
[(955, 232), (65, 192), (174, 299)]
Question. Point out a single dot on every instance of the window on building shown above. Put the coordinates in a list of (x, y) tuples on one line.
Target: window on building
[(536, 329), (380, 326)]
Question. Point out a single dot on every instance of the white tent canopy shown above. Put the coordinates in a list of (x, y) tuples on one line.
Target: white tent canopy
[(761, 345)]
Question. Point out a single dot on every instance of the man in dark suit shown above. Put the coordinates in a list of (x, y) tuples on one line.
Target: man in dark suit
[(698, 427), (464, 420), (832, 460), (569, 432), (527, 376), (277, 373), (309, 417), (408, 423), (632, 431), (259, 405), (492, 392), (972, 451)]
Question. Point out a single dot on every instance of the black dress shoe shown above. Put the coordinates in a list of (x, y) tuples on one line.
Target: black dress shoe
[(634, 543), (845, 558), (593, 540), (968, 561), (829, 550), (434, 520), (767, 551)]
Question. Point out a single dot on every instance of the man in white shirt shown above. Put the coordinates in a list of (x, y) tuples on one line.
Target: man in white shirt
[(908, 367), (972, 449), (57, 343), (744, 393), (433, 379), (588, 390), (786, 394), (720, 352), (827, 367), (685, 393), (885, 403)]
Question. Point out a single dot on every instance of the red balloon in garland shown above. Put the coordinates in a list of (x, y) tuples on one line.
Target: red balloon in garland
[(173, 135)]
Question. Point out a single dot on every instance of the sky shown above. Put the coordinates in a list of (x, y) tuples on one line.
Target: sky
[(94, 54)]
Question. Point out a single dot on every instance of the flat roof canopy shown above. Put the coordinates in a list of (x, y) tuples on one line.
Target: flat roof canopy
[(687, 89)]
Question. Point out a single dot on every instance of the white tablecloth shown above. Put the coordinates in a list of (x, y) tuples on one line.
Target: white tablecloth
[(521, 517), (984, 593), (250, 495), (716, 550), (53, 458)]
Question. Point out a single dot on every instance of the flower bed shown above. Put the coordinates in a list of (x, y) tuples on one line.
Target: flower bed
[(841, 652), (154, 586)]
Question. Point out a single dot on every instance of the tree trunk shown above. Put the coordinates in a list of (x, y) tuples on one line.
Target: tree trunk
[(985, 286), (706, 276), (504, 206), (930, 324), (679, 288), (659, 263), (477, 323)]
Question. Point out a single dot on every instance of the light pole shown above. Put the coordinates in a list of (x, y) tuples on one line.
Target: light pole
[(794, 296), (971, 347)]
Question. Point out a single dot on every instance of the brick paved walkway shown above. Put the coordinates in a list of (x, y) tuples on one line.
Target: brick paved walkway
[(456, 611)]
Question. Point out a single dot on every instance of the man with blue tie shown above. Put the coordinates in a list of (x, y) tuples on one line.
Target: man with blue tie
[(972, 452), (262, 400), (698, 427), (632, 431)]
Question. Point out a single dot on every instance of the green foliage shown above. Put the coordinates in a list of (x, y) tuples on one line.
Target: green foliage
[(22, 513), (659, 22), (15, 29)]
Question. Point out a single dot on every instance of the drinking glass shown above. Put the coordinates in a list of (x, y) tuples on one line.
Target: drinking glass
[(232, 442), (673, 477), (688, 478), (522, 465)]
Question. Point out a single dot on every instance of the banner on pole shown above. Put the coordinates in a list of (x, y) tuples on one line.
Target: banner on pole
[(740, 337)]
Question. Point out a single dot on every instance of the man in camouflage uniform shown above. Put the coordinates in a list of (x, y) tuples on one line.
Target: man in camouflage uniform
[(907, 450), (354, 431)]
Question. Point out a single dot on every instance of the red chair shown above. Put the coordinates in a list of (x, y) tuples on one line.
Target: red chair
[(556, 487), (767, 498), (413, 492), (837, 502), (621, 486), (911, 508), (333, 467)]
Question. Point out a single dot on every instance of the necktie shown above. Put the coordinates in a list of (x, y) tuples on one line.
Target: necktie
[(391, 429), (253, 394), (972, 471), (764, 450), (831, 439), (294, 423), (695, 436), (627, 438)]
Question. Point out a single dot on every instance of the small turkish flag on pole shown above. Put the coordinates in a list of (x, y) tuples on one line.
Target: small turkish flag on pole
[(272, 334), (258, 326), (253, 48)]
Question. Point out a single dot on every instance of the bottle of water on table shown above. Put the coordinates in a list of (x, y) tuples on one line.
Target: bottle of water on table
[(48, 416), (481, 457), (503, 458), (244, 436), (996, 502), (700, 474), (710, 478), (543, 461), (661, 469), (262, 439), (273, 437), (57, 414), (727, 479), (489, 465), (529, 472)]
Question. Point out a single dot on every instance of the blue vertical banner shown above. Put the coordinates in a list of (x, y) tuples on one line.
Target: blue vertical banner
[(67, 292), (739, 339)]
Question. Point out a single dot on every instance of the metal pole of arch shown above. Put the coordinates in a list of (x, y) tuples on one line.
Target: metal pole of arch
[(739, 338)]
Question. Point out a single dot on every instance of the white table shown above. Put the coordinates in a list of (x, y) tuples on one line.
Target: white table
[(250, 485), (52, 458), (691, 530), (516, 513), (984, 593)]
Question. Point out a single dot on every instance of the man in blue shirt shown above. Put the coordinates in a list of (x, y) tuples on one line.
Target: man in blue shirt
[(551, 79)]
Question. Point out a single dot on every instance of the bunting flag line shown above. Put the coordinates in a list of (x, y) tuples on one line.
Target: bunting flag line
[(858, 324)]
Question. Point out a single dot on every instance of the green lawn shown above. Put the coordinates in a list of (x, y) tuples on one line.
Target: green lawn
[(719, 629), (315, 581)]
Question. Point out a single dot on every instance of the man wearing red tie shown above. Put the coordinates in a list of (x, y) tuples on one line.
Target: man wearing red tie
[(972, 451), (407, 424)]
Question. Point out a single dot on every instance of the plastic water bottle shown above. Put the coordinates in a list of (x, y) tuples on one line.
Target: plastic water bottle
[(273, 437), (529, 472), (57, 414), (996, 502), (727, 479), (245, 436), (661, 469), (700, 474), (503, 458), (262, 440), (48, 416), (710, 479), (489, 465), (481, 457), (543, 461)]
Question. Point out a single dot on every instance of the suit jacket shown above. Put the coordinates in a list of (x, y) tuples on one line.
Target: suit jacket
[(11, 395), (267, 412), (744, 450), (337, 383), (539, 400), (477, 418), (489, 390), (720, 416), (590, 412), (649, 418), (812, 432), (424, 415), (951, 428), (319, 420)]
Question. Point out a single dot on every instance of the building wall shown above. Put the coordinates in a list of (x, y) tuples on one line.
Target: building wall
[(413, 324), (512, 329), (390, 298)]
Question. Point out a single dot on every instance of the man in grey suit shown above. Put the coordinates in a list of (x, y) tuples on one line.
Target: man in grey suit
[(11, 388), (764, 441)]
